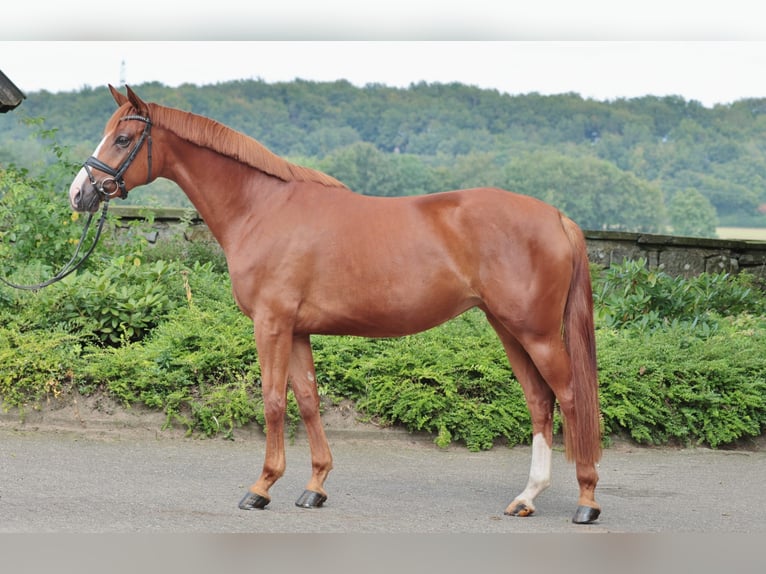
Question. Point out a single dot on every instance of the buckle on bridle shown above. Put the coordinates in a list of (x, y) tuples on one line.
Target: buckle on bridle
[(108, 187)]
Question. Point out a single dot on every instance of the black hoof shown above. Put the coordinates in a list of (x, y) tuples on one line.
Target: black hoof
[(310, 499), (585, 515), (252, 501)]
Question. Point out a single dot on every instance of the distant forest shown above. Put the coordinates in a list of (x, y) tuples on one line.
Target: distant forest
[(655, 164)]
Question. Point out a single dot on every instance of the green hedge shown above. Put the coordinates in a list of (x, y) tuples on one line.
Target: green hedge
[(681, 361), (674, 386), (199, 366)]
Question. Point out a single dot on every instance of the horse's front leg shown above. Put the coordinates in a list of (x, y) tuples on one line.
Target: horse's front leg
[(274, 345), (302, 378)]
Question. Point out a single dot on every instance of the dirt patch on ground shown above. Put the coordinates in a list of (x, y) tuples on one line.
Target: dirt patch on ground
[(99, 414)]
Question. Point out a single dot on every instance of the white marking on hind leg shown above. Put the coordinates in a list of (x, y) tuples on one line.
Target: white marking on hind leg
[(539, 475)]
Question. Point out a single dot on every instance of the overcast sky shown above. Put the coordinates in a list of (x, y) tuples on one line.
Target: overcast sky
[(709, 72), (651, 48)]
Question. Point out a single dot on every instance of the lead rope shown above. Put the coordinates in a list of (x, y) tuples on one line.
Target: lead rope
[(71, 266)]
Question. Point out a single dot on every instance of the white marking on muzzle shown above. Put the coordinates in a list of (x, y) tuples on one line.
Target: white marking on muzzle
[(81, 179), (74, 189)]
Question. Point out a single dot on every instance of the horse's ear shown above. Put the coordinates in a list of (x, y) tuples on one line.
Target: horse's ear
[(137, 102), (118, 97)]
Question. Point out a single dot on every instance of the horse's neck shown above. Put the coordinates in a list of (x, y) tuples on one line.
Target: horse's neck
[(226, 193)]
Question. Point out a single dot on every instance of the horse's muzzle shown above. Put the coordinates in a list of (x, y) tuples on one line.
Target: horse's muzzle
[(84, 200), (83, 195)]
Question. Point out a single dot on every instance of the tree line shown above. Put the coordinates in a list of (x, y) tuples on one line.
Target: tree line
[(654, 164)]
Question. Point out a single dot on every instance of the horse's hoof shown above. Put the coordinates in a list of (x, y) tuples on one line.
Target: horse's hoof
[(520, 509), (585, 514), (310, 499), (253, 501)]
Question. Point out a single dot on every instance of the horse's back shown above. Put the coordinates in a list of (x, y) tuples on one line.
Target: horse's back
[(469, 212)]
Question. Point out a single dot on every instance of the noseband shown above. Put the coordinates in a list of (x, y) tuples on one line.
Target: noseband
[(114, 185)]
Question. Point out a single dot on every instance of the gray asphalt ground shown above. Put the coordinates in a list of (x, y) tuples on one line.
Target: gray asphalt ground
[(152, 481)]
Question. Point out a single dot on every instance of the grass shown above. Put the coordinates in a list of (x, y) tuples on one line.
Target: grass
[(746, 233)]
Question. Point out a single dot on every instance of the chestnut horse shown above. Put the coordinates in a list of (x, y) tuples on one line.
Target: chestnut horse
[(308, 256)]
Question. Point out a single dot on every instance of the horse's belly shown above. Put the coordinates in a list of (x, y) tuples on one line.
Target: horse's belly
[(391, 314)]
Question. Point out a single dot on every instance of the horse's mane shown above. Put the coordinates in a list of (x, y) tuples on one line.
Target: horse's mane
[(215, 136)]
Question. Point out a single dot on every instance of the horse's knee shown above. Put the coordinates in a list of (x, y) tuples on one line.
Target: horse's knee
[(274, 407)]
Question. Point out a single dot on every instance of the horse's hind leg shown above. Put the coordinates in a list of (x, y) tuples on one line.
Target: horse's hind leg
[(550, 356), (303, 381), (540, 401)]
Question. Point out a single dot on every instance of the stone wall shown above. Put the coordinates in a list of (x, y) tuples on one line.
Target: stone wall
[(685, 256)]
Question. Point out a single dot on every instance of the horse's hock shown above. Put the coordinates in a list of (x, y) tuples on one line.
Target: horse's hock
[(677, 256)]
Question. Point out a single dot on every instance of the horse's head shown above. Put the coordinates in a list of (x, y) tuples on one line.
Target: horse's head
[(121, 161)]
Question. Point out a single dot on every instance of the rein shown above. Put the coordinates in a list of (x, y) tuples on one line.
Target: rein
[(71, 266), (107, 188)]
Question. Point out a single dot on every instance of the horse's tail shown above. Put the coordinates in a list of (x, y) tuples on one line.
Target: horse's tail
[(582, 437)]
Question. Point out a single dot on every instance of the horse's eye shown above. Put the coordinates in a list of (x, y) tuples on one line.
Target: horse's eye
[(122, 141)]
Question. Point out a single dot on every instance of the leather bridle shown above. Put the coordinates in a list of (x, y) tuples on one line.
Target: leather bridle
[(114, 185)]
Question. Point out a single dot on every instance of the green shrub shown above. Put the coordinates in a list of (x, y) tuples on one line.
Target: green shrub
[(453, 381), (199, 367), (672, 385), (178, 248), (632, 295), (35, 365), (119, 303), (37, 225), (678, 383), (216, 409), (185, 367)]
